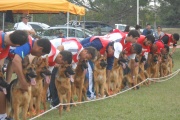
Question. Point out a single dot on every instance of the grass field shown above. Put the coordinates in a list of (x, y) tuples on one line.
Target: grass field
[(159, 101)]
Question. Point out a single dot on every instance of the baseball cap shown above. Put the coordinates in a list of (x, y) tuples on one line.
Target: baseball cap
[(117, 49), (25, 16), (160, 46)]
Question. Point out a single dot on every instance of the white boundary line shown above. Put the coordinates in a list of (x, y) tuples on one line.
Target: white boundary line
[(151, 79)]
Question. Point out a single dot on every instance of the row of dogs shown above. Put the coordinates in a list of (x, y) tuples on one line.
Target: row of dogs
[(124, 73)]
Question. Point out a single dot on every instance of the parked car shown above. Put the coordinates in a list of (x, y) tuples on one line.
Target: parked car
[(52, 32), (123, 26), (98, 28), (38, 26)]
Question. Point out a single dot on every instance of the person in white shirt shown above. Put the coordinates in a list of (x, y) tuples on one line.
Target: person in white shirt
[(23, 25)]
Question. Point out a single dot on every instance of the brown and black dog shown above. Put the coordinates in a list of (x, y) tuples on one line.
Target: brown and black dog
[(164, 65), (114, 83), (3, 83), (79, 85), (143, 75), (170, 62), (42, 73), (154, 66), (63, 85), (100, 75), (19, 98), (131, 77)]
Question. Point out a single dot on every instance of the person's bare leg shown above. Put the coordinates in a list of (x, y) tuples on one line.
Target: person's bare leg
[(9, 72)]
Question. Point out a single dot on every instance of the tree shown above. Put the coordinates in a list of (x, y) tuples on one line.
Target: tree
[(170, 12), (111, 11)]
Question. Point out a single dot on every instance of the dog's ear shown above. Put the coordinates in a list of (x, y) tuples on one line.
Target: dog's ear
[(25, 62), (98, 55), (105, 54)]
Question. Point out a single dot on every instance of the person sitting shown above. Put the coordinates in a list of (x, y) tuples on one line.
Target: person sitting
[(24, 25)]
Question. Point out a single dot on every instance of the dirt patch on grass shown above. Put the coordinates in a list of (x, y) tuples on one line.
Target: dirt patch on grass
[(171, 30)]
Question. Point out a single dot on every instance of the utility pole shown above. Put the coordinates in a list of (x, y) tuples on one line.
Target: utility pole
[(155, 14), (137, 12)]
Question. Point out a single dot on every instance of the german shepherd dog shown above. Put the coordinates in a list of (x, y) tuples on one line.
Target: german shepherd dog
[(154, 66), (63, 85), (171, 64), (41, 71), (164, 65), (3, 83), (131, 77), (17, 97), (113, 82), (142, 73), (79, 80), (100, 75)]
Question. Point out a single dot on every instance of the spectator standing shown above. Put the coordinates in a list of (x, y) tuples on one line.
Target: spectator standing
[(127, 29), (138, 27), (147, 30), (159, 33)]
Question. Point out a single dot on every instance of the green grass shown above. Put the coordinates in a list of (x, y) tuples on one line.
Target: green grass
[(159, 101)]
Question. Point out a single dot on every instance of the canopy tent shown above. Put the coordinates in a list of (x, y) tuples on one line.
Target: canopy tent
[(41, 6)]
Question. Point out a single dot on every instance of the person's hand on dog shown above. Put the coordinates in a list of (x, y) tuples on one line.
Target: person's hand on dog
[(24, 86), (56, 65)]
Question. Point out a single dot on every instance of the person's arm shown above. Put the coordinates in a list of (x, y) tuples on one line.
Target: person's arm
[(110, 61), (2, 62), (31, 32), (17, 64), (173, 50), (60, 48), (20, 52)]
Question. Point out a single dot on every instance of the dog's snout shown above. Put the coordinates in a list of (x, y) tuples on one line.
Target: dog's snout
[(32, 74), (69, 70), (103, 63), (136, 59), (84, 64), (155, 59)]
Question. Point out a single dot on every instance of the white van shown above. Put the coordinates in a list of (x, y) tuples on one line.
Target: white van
[(123, 26)]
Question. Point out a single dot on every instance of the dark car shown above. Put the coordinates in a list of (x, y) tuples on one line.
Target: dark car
[(98, 28)]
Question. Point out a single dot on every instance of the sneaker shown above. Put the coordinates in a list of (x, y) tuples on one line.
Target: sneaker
[(8, 118), (91, 98)]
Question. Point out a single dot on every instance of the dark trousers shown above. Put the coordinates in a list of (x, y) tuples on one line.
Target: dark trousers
[(52, 88)]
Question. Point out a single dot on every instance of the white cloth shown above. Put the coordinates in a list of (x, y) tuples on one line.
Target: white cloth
[(146, 55), (22, 26), (90, 80), (3, 116), (56, 42), (132, 56), (70, 46)]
